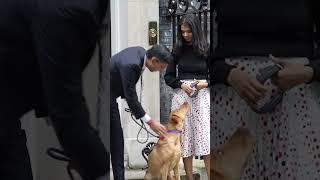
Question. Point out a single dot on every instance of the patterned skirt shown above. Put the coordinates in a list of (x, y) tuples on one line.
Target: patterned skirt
[(195, 136), (287, 140)]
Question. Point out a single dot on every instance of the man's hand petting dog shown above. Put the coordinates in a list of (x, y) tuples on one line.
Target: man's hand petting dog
[(247, 87), (157, 127)]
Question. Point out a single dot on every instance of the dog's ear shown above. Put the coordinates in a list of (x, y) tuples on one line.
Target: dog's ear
[(175, 118)]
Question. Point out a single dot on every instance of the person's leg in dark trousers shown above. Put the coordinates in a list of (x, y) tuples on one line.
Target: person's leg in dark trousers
[(17, 89), (16, 99), (15, 161), (65, 34), (117, 144)]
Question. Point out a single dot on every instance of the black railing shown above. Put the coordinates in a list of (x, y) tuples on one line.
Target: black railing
[(177, 8)]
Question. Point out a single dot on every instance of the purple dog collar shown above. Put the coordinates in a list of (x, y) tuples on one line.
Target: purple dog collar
[(174, 131)]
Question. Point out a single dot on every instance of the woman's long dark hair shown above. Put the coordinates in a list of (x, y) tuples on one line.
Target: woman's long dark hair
[(199, 43)]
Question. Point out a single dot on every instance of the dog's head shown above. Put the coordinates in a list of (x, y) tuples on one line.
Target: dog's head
[(229, 161), (177, 116)]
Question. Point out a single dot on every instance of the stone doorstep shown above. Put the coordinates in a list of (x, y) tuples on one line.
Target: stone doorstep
[(138, 174)]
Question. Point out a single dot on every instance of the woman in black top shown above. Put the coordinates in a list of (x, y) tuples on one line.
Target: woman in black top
[(189, 66), (287, 138)]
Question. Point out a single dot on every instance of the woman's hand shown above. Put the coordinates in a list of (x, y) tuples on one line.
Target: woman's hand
[(201, 85), (247, 87), (292, 75), (186, 88)]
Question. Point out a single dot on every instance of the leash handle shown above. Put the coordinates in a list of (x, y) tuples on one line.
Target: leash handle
[(265, 74), (268, 72), (195, 91)]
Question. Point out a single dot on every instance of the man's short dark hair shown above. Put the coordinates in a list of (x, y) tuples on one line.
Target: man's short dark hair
[(162, 53)]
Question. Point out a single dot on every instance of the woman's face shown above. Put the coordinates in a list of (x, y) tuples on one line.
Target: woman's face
[(186, 33)]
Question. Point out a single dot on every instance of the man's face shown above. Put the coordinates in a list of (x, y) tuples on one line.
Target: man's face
[(155, 65)]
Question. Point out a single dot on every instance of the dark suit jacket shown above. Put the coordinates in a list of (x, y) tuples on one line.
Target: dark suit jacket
[(126, 68), (28, 40)]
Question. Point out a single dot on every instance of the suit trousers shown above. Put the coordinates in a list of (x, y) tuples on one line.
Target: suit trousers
[(45, 47), (117, 142)]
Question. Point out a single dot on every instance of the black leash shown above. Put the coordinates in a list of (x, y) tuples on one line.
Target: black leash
[(149, 147), (142, 126), (61, 156), (147, 150)]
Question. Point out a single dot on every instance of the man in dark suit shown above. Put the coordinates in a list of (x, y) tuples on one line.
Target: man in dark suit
[(44, 48), (126, 69)]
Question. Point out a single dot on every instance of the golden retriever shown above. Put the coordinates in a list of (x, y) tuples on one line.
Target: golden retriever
[(166, 154), (229, 161)]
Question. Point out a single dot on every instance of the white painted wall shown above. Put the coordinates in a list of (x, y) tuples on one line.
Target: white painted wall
[(130, 28), (140, 12)]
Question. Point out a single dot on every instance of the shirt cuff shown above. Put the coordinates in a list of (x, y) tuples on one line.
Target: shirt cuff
[(146, 118), (219, 72), (179, 83), (316, 71)]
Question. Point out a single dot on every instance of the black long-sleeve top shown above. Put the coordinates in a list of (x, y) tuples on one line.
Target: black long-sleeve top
[(189, 65), (259, 28)]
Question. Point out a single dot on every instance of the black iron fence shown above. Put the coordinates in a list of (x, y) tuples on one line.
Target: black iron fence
[(177, 8)]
